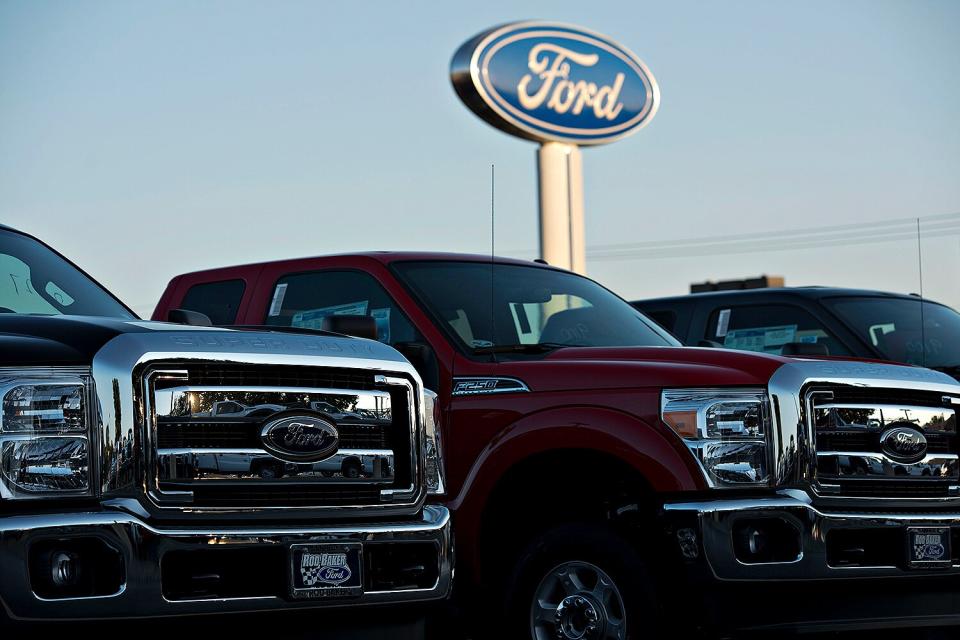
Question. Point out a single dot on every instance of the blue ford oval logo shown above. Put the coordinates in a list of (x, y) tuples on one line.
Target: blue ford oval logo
[(904, 444), (545, 81), (300, 438)]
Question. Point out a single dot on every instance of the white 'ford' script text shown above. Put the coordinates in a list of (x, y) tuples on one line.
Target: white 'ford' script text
[(562, 94)]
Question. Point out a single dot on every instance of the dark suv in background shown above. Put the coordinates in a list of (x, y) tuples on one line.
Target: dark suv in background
[(816, 321)]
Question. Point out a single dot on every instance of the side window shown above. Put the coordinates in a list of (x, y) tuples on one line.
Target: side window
[(769, 328), (220, 301), (305, 299)]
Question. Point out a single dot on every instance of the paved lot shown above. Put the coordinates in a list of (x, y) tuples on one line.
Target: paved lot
[(324, 625)]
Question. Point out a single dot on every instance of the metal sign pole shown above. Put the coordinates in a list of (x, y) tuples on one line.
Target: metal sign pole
[(562, 242)]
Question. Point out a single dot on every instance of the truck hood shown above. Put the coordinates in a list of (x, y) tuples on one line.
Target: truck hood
[(27, 340), (633, 367)]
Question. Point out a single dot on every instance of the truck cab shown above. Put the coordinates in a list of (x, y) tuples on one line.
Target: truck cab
[(607, 482), (153, 469), (831, 321)]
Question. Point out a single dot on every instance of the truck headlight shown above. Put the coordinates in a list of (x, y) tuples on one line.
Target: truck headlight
[(44, 436), (726, 429), (433, 447)]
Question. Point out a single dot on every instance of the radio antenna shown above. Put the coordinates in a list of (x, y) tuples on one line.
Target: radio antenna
[(493, 245), (923, 328)]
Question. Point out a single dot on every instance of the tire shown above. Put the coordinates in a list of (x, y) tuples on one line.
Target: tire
[(584, 582)]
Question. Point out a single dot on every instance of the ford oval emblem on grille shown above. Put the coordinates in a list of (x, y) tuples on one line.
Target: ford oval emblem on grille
[(904, 444), (300, 438)]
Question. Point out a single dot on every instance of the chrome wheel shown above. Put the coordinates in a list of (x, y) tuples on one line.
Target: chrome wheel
[(577, 601)]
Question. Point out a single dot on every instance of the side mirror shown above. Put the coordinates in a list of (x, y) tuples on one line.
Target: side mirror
[(423, 360), (188, 317), (805, 349), (351, 325)]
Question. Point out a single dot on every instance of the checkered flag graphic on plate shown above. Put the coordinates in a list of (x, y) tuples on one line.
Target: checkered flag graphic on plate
[(311, 575)]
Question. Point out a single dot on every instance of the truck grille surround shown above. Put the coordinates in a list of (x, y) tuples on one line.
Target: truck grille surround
[(208, 445), (872, 442)]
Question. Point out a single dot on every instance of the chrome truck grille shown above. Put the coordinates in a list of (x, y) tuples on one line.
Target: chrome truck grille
[(242, 436), (851, 432), (883, 443)]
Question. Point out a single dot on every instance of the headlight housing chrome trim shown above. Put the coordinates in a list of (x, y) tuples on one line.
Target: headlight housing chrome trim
[(47, 444), (433, 446), (726, 430)]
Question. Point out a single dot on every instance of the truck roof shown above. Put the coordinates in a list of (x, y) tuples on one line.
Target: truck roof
[(384, 257), (812, 293)]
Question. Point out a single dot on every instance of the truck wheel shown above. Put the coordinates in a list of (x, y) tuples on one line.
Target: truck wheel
[(582, 582)]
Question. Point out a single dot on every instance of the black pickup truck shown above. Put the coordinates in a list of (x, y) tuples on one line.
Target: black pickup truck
[(816, 321), (128, 490)]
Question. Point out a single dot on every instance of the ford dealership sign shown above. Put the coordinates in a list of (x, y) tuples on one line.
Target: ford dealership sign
[(552, 82)]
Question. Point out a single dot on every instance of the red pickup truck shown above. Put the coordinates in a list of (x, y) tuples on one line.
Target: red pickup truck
[(603, 479)]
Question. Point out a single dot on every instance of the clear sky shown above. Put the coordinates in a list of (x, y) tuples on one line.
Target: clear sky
[(144, 139)]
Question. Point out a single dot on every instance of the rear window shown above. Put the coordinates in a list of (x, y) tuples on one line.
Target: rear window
[(304, 300), (219, 301)]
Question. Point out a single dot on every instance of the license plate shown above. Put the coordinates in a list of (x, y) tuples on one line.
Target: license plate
[(326, 570), (928, 548)]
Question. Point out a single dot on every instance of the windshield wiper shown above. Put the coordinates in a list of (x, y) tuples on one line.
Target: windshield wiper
[(539, 347)]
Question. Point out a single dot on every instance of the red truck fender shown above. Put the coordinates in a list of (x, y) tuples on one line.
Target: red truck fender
[(658, 456)]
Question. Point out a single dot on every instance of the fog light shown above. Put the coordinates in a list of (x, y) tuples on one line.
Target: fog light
[(64, 569), (75, 568), (762, 540), (755, 541)]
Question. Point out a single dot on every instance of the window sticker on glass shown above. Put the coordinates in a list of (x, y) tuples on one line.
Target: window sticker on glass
[(59, 295), (763, 339), (723, 323), (313, 318), (877, 332), (810, 336), (382, 317), (278, 294)]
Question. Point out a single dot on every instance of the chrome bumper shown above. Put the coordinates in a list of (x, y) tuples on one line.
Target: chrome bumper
[(707, 528), (142, 547)]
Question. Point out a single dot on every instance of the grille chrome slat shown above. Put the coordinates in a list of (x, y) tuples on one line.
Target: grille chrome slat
[(866, 465), (218, 435), (220, 375), (230, 466)]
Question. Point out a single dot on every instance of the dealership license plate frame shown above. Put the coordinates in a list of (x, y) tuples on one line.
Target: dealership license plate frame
[(917, 556), (350, 588)]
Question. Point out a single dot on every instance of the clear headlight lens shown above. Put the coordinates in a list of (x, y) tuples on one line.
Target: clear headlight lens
[(47, 408), (44, 437), (725, 429)]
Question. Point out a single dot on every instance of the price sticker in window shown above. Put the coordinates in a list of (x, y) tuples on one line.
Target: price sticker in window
[(723, 323), (277, 303)]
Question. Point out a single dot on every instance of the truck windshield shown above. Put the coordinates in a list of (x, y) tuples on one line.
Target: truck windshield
[(905, 330), (502, 308), (36, 280)]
